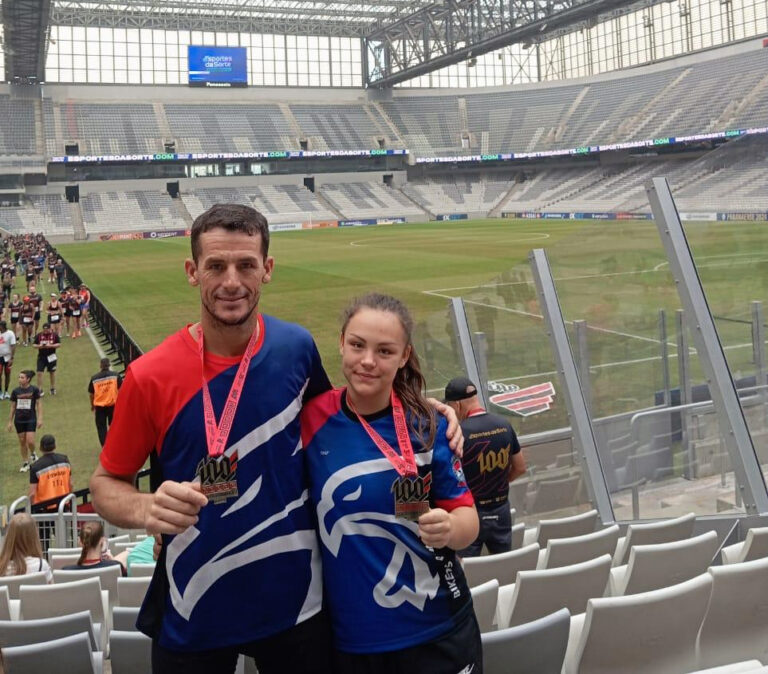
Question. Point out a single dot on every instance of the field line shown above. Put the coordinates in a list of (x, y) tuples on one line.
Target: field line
[(520, 312), (602, 366), (579, 277), (537, 236), (95, 343)]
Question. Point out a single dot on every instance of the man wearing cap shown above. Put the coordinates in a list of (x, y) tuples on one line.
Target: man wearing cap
[(492, 459), (50, 476), (103, 389)]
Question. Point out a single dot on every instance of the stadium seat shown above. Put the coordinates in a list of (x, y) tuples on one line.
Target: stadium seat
[(63, 551), (71, 654), (754, 546), (121, 538), (108, 576), (551, 495), (536, 647), (9, 610), (59, 561), (23, 632), (564, 527), (736, 624), (651, 567), (484, 599), (124, 618), (140, 570), (13, 583), (648, 633), (47, 601), (565, 551), (131, 591), (518, 532), (502, 567), (664, 531), (130, 652), (745, 667), (538, 593)]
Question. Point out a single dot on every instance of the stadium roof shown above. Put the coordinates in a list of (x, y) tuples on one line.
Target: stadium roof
[(311, 17)]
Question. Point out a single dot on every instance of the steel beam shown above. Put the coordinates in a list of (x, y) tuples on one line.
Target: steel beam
[(463, 333), (730, 415), (583, 434)]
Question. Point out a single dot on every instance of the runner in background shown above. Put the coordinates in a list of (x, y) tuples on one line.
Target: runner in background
[(7, 351), (26, 416), (54, 311), (47, 343)]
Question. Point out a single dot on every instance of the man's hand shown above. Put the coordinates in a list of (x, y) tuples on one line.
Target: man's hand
[(435, 528), (454, 434), (174, 507)]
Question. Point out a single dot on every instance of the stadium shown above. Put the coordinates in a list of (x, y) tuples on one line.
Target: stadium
[(572, 199)]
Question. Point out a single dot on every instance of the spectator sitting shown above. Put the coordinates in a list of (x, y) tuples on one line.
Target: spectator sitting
[(95, 554), (144, 552), (22, 553)]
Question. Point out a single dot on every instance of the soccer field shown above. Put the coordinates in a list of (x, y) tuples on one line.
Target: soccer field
[(614, 275)]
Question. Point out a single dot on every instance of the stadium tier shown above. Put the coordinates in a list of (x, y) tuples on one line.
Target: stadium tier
[(139, 210), (279, 203), (43, 213), (369, 200)]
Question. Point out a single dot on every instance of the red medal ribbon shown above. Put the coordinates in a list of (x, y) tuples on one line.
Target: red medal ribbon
[(216, 434), (405, 465)]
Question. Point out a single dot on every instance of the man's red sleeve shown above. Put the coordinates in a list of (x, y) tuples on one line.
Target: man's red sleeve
[(133, 433)]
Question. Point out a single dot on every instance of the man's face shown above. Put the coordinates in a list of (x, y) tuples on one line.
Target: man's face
[(32, 289), (229, 271)]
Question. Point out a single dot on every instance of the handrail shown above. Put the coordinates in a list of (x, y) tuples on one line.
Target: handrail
[(17, 503), (701, 403), (61, 539)]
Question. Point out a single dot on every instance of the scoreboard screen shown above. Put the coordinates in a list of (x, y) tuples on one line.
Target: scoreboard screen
[(217, 66)]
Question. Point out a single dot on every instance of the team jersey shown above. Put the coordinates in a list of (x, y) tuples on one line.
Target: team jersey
[(51, 473), (489, 443), (385, 589), (104, 386), (47, 343), (26, 401), (250, 567)]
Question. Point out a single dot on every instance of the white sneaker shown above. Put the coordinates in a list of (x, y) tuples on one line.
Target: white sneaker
[(24, 467), (32, 457)]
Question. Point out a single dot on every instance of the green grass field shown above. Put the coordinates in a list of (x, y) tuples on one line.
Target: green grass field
[(611, 274)]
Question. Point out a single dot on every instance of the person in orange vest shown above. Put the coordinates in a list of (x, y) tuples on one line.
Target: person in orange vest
[(103, 389), (51, 475)]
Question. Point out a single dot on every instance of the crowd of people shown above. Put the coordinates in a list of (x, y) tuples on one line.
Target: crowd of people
[(343, 557)]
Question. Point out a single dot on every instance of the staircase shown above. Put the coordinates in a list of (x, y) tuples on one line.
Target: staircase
[(181, 209), (78, 226), (292, 122)]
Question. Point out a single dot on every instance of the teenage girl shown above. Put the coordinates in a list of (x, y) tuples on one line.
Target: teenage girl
[(392, 507)]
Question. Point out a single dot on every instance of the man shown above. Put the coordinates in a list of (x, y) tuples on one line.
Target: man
[(7, 351), (46, 343), (103, 389), (60, 271), (238, 574), (492, 459), (51, 475), (36, 299)]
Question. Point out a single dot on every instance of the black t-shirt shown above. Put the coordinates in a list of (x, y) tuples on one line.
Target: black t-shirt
[(489, 443), (44, 340), (25, 399)]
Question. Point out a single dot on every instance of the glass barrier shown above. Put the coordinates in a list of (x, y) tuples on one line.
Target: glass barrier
[(509, 334), (732, 262), (659, 460)]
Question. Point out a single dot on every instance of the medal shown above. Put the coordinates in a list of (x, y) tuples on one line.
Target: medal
[(218, 477), (411, 491), (218, 472)]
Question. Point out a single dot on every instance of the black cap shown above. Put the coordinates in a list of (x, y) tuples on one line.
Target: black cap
[(459, 388)]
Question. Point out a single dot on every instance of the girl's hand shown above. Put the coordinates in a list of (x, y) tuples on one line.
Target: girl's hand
[(435, 528)]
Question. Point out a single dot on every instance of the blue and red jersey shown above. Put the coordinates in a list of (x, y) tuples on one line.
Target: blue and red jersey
[(385, 589), (250, 567)]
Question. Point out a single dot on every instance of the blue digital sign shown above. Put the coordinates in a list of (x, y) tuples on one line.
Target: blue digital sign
[(217, 66)]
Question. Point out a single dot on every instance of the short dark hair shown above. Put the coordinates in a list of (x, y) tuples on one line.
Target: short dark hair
[(104, 363), (232, 218), (47, 443)]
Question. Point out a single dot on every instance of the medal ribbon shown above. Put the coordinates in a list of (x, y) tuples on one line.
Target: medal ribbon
[(216, 434), (405, 465)]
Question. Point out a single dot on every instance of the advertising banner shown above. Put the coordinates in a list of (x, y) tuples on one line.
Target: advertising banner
[(167, 234), (319, 224), (357, 223), (286, 227), (701, 217), (121, 236), (453, 216), (390, 221), (749, 217)]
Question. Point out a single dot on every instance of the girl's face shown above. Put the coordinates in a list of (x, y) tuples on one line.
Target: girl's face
[(23, 380), (373, 349)]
